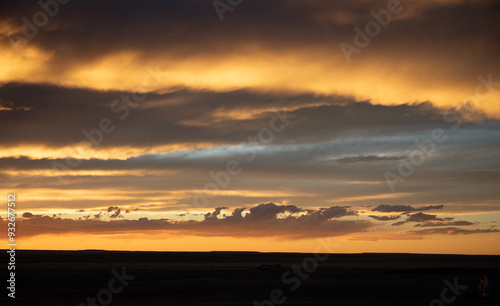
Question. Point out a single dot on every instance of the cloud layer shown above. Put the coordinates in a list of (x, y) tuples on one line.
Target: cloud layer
[(122, 117), (263, 220)]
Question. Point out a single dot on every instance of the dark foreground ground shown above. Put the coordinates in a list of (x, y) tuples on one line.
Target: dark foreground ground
[(228, 278)]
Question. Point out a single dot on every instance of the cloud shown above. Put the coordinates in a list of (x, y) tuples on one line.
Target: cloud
[(263, 220), (384, 218), (116, 214), (445, 223), (427, 220), (220, 118), (418, 217), (209, 87), (399, 223), (270, 211), (404, 208), (421, 217), (111, 209), (364, 159), (213, 215), (27, 215), (274, 55), (454, 231)]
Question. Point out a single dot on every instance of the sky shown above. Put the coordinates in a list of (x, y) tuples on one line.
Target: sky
[(252, 125)]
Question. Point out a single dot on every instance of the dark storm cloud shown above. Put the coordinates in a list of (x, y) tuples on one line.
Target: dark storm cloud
[(293, 47), (89, 29), (449, 43), (57, 117)]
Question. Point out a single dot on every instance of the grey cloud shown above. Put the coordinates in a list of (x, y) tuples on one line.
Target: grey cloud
[(213, 215), (384, 218), (404, 208), (418, 217), (454, 231), (269, 211), (116, 214), (164, 123), (361, 159), (399, 223), (27, 215), (261, 221), (421, 217), (175, 28), (445, 223)]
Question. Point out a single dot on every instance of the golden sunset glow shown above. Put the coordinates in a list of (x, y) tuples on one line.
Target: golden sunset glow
[(172, 129)]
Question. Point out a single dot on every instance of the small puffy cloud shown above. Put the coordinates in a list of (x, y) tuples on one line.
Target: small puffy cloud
[(213, 215), (270, 210), (28, 215), (116, 214)]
